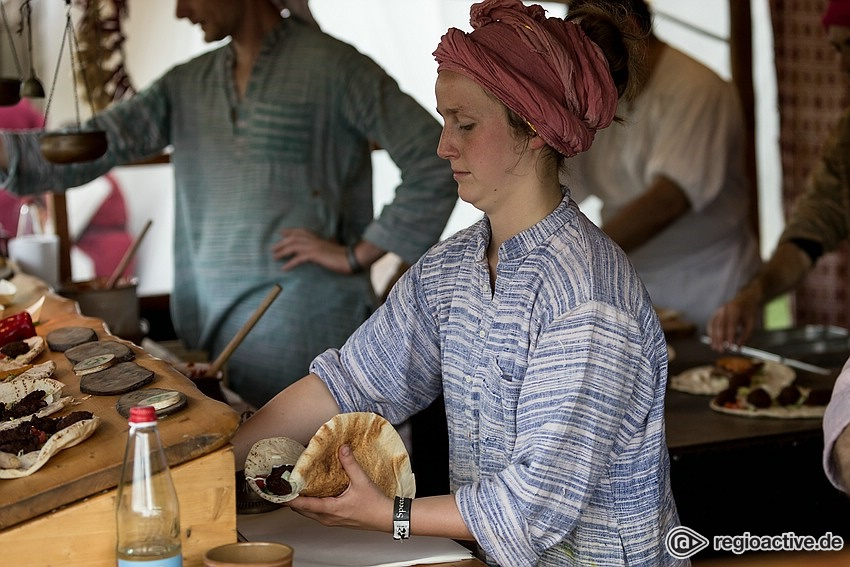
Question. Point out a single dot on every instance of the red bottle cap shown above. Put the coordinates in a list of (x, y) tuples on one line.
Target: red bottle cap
[(142, 414)]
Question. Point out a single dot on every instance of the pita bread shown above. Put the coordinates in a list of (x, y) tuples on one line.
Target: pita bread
[(15, 390), (317, 470), (43, 370), (36, 345), (30, 462)]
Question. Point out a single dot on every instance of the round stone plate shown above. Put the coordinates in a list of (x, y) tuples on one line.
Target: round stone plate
[(65, 338), (119, 379), (121, 352), (164, 402)]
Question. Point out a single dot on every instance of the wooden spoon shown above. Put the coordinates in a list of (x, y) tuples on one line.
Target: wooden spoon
[(212, 371), (128, 255)]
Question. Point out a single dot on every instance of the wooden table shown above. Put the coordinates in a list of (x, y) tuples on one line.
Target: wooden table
[(733, 474), (64, 512)]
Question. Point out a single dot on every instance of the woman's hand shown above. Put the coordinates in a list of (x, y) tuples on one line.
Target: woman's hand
[(299, 246), (362, 505)]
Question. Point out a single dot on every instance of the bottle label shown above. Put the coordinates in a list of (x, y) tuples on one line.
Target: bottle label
[(176, 561)]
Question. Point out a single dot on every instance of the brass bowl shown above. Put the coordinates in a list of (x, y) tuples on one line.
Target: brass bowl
[(10, 91), (73, 147)]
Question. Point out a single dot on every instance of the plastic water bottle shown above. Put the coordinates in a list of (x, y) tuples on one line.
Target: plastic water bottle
[(147, 512)]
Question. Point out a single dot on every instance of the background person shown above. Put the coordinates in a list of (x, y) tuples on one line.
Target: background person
[(819, 222), (531, 323), (672, 181), (271, 137)]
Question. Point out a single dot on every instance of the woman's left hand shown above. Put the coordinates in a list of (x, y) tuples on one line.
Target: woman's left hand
[(362, 505)]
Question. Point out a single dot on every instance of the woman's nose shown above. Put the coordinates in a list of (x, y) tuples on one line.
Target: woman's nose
[(445, 149)]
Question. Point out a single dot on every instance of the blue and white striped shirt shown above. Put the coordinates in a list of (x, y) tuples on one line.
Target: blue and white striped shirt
[(554, 386)]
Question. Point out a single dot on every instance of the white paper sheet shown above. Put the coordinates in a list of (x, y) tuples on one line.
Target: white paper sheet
[(316, 545)]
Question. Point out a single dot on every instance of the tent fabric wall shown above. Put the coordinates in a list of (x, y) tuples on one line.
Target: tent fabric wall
[(811, 95)]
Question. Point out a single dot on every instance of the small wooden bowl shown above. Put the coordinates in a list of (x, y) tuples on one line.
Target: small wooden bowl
[(73, 147)]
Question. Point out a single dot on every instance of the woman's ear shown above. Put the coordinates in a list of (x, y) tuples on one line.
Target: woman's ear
[(535, 142)]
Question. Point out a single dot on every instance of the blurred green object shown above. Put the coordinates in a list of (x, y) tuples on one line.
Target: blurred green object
[(777, 313)]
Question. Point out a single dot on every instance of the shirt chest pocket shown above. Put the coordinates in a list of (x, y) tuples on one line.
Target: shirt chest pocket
[(503, 382), (282, 133)]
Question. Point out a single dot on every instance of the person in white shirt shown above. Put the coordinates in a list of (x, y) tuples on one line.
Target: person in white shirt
[(672, 181)]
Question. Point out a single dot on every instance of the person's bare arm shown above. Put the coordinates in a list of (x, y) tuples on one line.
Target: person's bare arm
[(733, 322), (300, 246), (841, 456), (663, 203), (297, 412)]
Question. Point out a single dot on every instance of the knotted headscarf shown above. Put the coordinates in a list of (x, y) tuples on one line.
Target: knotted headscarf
[(544, 69), (837, 13)]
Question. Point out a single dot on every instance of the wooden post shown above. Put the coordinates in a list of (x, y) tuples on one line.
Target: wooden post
[(741, 59), (58, 209)]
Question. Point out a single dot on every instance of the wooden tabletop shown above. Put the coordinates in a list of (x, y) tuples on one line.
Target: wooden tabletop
[(202, 427)]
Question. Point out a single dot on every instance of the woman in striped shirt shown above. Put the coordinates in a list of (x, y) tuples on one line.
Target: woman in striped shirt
[(532, 323)]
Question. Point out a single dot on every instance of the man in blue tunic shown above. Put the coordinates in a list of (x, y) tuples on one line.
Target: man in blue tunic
[(271, 136)]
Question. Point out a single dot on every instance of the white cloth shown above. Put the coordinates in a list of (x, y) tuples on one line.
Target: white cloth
[(686, 125)]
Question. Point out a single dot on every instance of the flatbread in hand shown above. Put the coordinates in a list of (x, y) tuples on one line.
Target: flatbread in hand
[(317, 470)]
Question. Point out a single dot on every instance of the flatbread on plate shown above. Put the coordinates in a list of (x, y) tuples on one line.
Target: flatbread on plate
[(708, 381), (36, 345), (15, 390), (33, 371), (28, 463), (317, 471), (742, 408)]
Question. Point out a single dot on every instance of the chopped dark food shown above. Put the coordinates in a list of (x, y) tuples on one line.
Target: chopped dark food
[(727, 396), (32, 434), (15, 349), (27, 405), (740, 380), (789, 395), (72, 418), (760, 398), (275, 483), (818, 397)]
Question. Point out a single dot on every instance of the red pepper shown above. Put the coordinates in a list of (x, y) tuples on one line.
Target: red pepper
[(16, 328)]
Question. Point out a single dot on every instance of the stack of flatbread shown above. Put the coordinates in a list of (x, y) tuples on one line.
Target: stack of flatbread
[(316, 469)]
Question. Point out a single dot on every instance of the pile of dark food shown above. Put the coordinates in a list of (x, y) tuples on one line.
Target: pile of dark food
[(32, 434), (27, 405)]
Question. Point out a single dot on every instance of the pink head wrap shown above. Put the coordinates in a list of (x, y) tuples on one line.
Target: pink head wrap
[(544, 69), (837, 13)]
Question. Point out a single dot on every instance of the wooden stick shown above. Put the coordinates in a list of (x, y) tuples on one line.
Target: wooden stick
[(243, 332), (128, 255)]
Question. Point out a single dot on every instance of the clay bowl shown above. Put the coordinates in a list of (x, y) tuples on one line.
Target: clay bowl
[(73, 147), (10, 91)]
